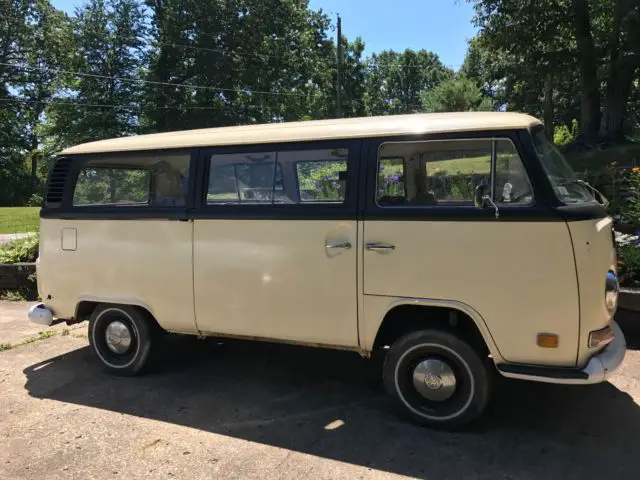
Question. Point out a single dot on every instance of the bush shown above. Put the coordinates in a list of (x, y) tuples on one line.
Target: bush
[(23, 250), (563, 135), (35, 200), (628, 248)]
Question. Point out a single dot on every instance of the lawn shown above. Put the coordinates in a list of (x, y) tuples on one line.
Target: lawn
[(19, 219)]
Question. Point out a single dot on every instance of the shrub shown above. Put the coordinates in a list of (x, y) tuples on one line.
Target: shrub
[(627, 209), (563, 135), (35, 200), (23, 250), (628, 248)]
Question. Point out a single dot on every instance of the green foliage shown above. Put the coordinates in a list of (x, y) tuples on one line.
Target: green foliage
[(396, 81), (108, 37), (320, 180), (35, 200), (562, 135), (560, 60), (23, 250), (458, 94), (628, 251), (627, 210), (112, 185), (33, 33)]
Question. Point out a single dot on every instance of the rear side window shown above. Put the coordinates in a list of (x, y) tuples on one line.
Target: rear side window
[(292, 177), (245, 178), (158, 180)]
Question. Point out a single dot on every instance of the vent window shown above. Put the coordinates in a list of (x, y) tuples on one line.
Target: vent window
[(56, 183)]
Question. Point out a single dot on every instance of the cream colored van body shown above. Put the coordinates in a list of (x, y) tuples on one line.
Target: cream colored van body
[(341, 282)]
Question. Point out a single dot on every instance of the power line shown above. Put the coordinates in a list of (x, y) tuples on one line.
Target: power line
[(218, 50), (377, 64), (94, 105), (248, 91)]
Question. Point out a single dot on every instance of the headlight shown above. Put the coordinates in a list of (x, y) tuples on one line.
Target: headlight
[(611, 291)]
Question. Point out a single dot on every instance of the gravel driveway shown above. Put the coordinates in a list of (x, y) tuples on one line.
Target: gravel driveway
[(242, 410)]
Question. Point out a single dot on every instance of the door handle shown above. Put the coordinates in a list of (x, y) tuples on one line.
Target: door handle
[(333, 245), (380, 247)]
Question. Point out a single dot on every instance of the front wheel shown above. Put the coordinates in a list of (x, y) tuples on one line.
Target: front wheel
[(121, 337), (437, 379)]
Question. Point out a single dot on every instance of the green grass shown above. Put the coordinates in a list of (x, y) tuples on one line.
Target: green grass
[(19, 219), (26, 341), (463, 166)]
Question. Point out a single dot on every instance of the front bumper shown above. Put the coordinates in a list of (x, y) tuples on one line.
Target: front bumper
[(41, 315), (600, 367)]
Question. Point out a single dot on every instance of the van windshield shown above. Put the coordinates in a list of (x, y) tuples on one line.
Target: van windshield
[(562, 177)]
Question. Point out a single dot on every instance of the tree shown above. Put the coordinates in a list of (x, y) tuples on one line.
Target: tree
[(522, 46), (458, 94), (623, 49), (395, 81), (48, 50), (34, 40), (590, 90), (251, 60), (104, 97)]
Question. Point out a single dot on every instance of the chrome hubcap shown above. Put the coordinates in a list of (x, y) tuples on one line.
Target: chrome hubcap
[(118, 337), (434, 380)]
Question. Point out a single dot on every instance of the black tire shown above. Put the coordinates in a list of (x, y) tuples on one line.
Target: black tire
[(136, 357), (472, 375)]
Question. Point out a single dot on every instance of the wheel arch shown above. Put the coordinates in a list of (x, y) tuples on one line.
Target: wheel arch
[(85, 307), (394, 321)]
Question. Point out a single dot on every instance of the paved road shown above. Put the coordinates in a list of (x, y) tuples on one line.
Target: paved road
[(240, 410)]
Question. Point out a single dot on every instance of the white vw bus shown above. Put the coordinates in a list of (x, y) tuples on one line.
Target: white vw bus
[(458, 246)]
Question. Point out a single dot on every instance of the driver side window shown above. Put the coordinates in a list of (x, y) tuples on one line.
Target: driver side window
[(450, 173)]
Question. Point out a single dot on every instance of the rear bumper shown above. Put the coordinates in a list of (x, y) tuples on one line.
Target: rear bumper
[(41, 315), (600, 367)]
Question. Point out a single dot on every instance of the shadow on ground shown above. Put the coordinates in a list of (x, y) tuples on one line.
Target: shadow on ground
[(285, 396)]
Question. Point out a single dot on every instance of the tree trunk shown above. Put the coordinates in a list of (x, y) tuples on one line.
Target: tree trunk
[(618, 92), (620, 77), (548, 106), (590, 92), (34, 164)]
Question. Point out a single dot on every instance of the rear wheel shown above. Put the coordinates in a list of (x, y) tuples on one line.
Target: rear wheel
[(437, 379), (121, 337)]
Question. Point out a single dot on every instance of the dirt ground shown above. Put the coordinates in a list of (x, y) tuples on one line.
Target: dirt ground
[(243, 410)]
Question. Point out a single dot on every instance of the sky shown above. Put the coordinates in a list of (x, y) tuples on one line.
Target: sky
[(441, 26)]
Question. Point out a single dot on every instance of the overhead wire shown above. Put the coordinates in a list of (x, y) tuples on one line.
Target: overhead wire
[(94, 105), (247, 91)]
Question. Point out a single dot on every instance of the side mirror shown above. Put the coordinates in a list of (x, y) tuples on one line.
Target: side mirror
[(480, 192)]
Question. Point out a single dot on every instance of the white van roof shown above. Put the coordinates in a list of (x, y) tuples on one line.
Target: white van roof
[(343, 128)]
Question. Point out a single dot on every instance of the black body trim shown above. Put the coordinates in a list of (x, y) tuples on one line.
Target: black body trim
[(543, 372), (360, 200)]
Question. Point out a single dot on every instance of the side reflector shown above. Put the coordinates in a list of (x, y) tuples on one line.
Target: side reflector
[(548, 340)]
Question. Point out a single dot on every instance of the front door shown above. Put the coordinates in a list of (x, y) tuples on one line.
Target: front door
[(425, 239), (275, 243)]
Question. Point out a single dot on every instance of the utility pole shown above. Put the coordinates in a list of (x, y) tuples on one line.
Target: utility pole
[(339, 70)]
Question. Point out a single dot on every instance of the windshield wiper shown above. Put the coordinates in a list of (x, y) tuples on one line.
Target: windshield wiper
[(597, 194)]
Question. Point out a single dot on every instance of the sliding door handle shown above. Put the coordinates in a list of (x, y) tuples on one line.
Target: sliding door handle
[(335, 245), (380, 247)]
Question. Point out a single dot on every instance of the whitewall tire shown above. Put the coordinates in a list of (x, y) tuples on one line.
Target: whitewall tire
[(437, 379), (121, 338)]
